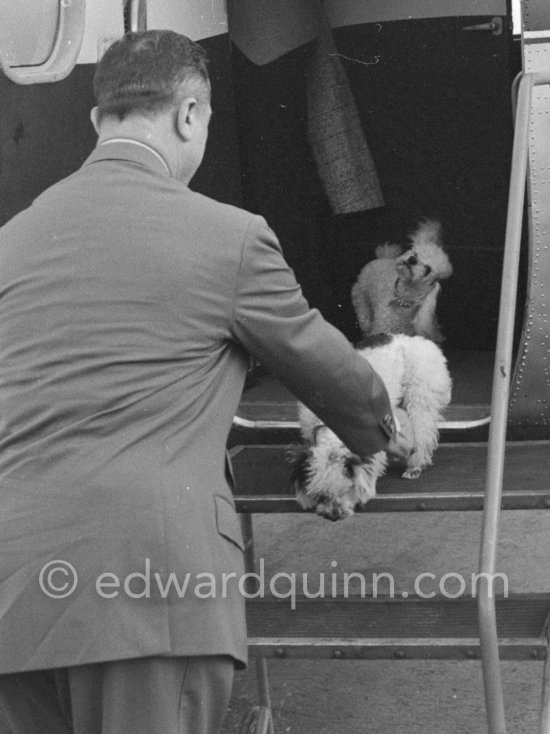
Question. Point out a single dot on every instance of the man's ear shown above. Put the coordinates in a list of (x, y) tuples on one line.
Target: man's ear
[(94, 117), (185, 117)]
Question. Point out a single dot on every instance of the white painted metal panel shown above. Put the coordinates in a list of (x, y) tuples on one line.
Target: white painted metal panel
[(194, 18), (104, 24)]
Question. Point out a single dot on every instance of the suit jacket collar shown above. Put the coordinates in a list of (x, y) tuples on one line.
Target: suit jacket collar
[(129, 150)]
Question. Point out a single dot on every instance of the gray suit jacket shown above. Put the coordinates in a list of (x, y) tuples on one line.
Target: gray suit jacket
[(128, 304)]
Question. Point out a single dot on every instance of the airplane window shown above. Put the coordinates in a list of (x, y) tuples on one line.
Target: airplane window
[(40, 39), (28, 31)]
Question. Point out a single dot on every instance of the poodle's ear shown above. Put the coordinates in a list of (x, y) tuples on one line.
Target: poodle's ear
[(425, 322), (388, 250)]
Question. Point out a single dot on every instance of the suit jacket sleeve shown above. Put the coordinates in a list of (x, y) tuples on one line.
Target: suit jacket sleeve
[(313, 359)]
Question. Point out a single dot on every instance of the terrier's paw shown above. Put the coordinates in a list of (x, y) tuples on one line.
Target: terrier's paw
[(412, 473)]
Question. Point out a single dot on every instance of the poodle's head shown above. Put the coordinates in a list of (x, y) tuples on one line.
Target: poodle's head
[(425, 261)]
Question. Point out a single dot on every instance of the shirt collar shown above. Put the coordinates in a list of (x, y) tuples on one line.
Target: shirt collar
[(132, 150)]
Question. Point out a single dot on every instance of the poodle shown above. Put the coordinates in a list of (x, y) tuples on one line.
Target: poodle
[(397, 292)]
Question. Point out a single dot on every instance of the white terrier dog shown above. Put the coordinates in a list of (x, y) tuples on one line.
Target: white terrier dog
[(333, 480)]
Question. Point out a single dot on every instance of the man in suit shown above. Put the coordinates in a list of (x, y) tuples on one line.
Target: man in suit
[(128, 308)]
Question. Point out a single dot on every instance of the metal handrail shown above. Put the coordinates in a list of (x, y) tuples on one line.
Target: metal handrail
[(499, 406), (264, 424)]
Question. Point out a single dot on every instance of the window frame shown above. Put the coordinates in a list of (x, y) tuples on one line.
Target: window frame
[(65, 50)]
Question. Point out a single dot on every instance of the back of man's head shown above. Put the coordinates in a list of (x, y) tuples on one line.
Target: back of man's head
[(149, 71)]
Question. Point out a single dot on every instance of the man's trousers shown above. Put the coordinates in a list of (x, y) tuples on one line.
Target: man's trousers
[(155, 695)]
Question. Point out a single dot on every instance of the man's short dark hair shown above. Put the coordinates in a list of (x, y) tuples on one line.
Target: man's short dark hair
[(145, 72)]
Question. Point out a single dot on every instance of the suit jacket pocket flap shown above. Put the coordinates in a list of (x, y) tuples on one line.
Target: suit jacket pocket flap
[(227, 521)]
